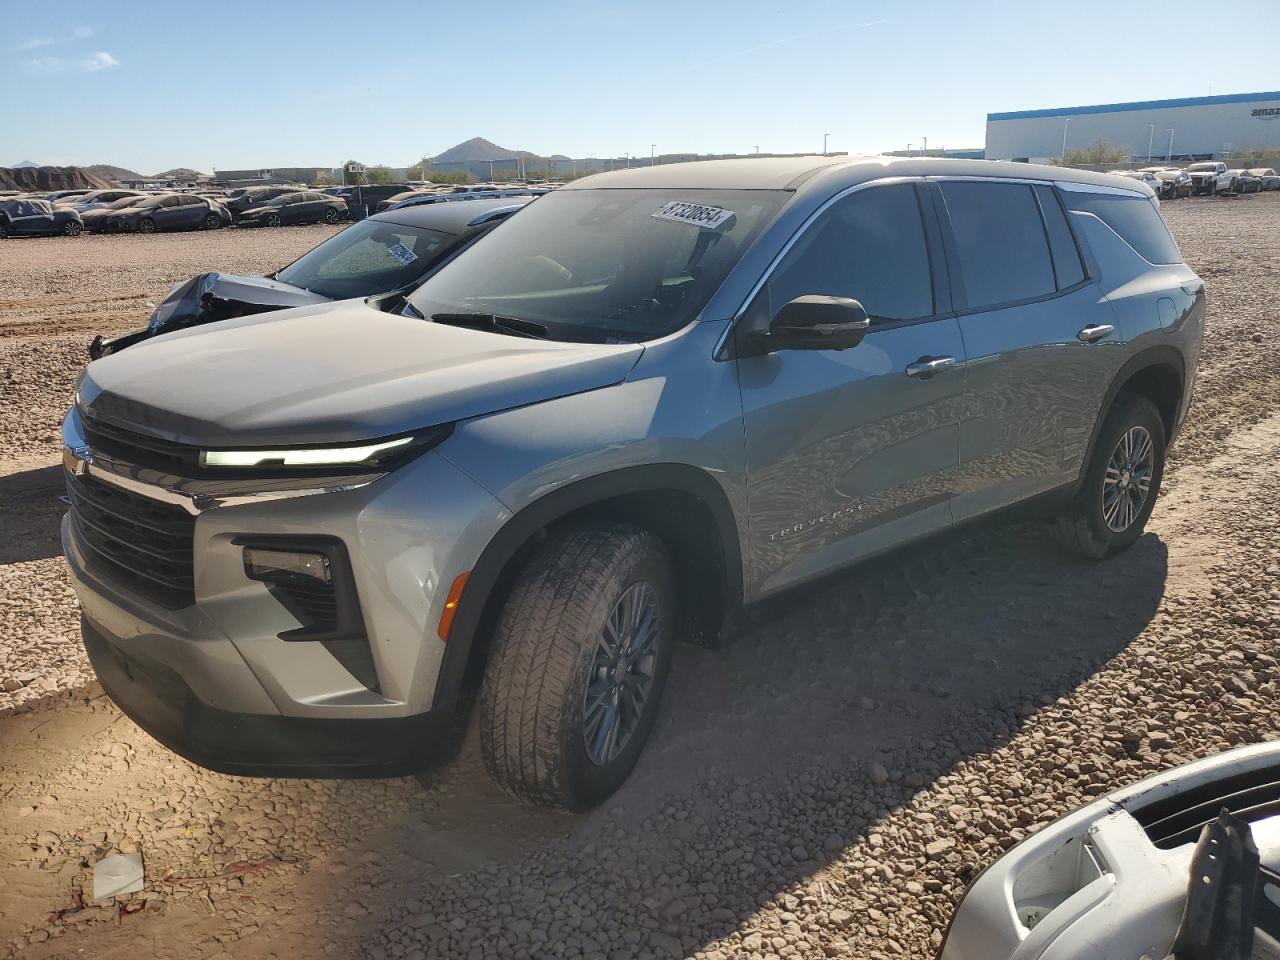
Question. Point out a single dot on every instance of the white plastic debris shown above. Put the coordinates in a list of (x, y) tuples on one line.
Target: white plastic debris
[(118, 873)]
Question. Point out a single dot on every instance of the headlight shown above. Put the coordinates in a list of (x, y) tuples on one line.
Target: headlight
[(374, 453)]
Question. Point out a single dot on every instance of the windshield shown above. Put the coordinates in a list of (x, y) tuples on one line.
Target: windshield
[(369, 257), (125, 202), (604, 265)]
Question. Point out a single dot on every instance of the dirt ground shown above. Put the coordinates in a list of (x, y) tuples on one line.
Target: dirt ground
[(823, 787)]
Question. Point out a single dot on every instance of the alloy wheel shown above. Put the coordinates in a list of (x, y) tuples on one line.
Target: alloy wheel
[(1127, 482), (622, 673)]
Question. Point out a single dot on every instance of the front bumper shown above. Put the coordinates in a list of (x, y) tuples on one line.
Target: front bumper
[(159, 701)]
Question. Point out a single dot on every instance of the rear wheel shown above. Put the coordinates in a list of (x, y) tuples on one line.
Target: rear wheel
[(146, 225), (1122, 482), (331, 215), (578, 666), (4, 229)]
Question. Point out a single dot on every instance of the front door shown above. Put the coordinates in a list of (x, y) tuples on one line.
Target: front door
[(850, 452)]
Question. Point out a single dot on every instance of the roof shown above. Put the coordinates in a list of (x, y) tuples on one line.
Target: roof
[(1137, 105), (445, 217), (824, 173)]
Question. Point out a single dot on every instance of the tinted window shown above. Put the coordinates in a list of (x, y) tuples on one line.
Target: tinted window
[(1066, 257), (1000, 242), (1136, 219), (869, 246)]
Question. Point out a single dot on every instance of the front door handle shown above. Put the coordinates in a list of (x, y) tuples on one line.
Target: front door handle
[(1095, 332), (926, 367)]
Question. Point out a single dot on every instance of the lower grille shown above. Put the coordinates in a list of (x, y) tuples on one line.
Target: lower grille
[(144, 545)]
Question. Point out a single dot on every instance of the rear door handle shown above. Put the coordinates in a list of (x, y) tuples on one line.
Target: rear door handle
[(926, 367), (1095, 332)]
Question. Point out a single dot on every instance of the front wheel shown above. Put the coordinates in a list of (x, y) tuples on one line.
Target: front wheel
[(1121, 484), (273, 220), (578, 666), (212, 222), (71, 228), (146, 225)]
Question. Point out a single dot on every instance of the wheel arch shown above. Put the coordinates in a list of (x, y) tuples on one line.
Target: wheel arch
[(1157, 373), (683, 505)]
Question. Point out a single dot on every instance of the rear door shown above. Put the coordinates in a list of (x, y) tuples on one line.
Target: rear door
[(191, 212), (1038, 333), (853, 451), (166, 214)]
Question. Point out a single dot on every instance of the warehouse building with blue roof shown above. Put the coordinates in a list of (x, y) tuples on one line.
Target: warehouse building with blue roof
[(1192, 128)]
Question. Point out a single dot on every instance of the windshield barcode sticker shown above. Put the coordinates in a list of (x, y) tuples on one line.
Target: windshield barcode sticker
[(694, 214), (402, 253)]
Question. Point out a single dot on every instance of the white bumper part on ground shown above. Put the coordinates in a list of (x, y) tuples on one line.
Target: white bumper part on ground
[(1109, 881)]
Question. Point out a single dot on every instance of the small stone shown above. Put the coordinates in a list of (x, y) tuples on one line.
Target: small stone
[(877, 774)]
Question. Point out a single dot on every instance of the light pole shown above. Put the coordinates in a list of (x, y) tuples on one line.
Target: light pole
[(1065, 123), (909, 146), (1151, 132), (926, 146), (757, 148), (652, 148), (824, 143), (1169, 156)]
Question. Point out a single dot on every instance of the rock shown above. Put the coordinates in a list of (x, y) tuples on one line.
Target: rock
[(877, 774)]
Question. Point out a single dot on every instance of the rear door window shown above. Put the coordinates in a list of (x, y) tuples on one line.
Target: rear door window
[(1136, 219), (870, 247), (1000, 242), (1066, 255)]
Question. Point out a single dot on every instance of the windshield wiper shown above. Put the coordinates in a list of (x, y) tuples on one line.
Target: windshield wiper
[(494, 322)]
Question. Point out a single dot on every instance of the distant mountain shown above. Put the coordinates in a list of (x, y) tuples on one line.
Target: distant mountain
[(181, 173), (24, 163), (112, 173), (478, 150)]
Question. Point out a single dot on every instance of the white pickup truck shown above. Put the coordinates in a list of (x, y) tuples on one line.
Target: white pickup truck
[(1210, 177)]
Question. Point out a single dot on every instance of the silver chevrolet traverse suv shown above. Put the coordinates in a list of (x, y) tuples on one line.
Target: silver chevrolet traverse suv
[(658, 396)]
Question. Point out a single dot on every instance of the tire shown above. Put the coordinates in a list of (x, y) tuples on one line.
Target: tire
[(146, 225), (273, 220), (1095, 525), (212, 222), (4, 230), (331, 215), (71, 229), (548, 665)]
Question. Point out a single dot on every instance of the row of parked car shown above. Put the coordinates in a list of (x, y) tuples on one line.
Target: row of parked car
[(1207, 178), (71, 212)]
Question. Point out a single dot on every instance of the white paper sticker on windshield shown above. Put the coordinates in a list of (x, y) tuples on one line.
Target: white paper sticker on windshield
[(402, 253), (694, 214)]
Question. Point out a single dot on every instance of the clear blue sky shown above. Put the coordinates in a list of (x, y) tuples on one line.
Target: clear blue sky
[(283, 83)]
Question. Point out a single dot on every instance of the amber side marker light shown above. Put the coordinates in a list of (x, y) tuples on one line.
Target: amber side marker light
[(451, 604)]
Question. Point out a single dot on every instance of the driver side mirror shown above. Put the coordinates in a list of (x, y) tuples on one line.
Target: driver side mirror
[(817, 322)]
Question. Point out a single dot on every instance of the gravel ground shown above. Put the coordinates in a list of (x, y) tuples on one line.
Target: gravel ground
[(825, 786)]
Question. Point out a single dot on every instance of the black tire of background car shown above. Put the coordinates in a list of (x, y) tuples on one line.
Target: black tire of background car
[(212, 222), (532, 700), (1081, 527), (4, 229), (146, 225), (273, 220)]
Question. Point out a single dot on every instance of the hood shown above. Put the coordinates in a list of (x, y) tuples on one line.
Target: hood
[(334, 373), (258, 209)]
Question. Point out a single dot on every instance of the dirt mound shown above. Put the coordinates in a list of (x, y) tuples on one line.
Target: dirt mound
[(50, 179)]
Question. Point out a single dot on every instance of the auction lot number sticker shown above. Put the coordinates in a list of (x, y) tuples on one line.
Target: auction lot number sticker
[(694, 214)]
